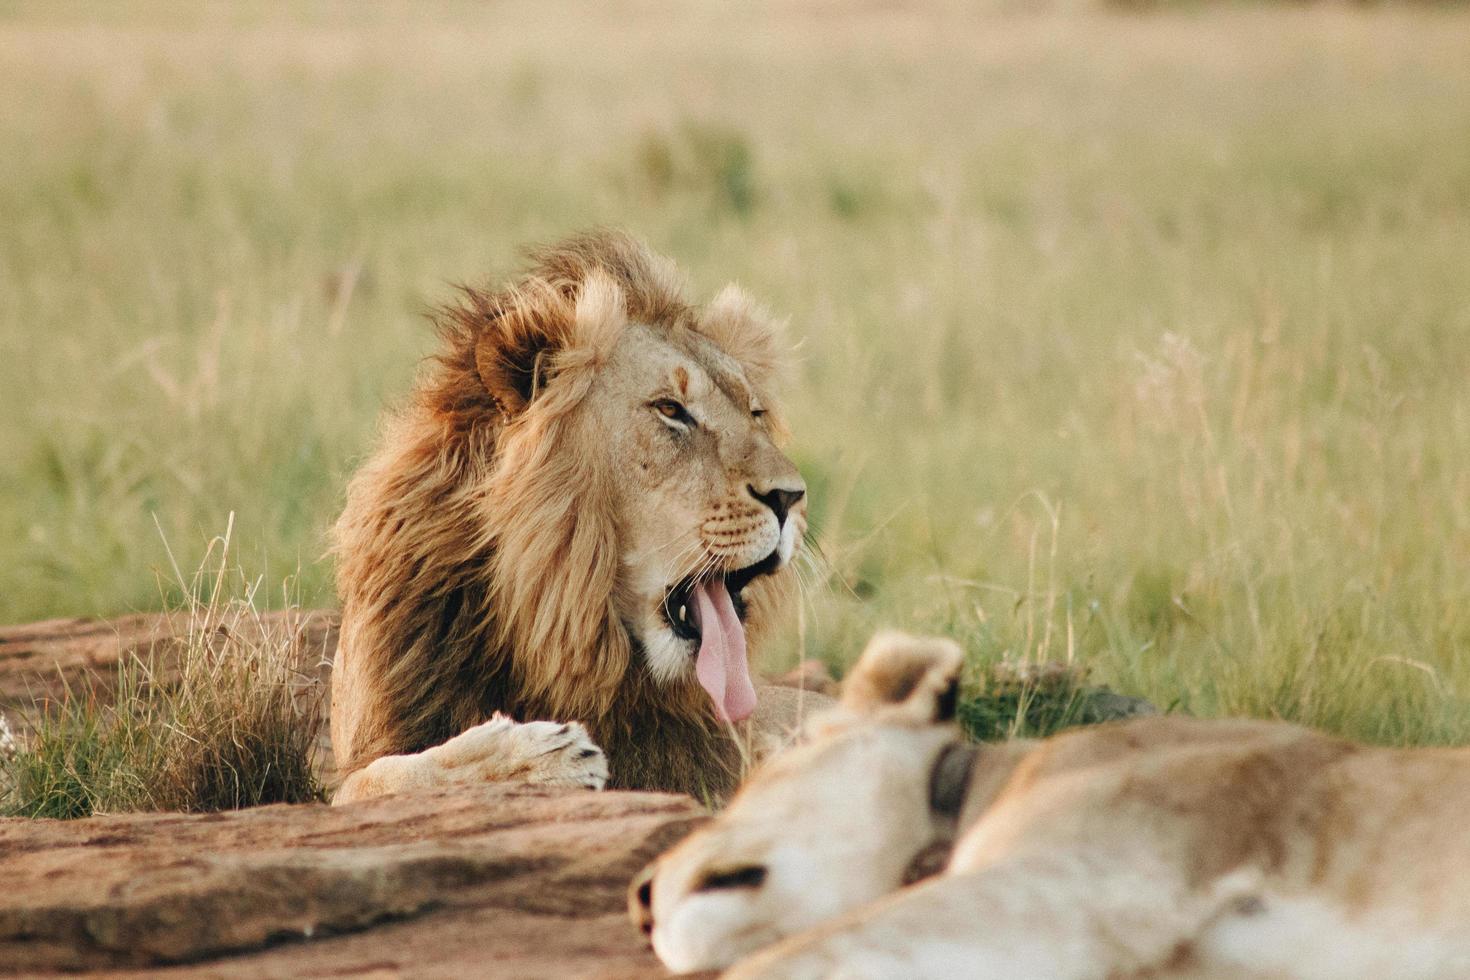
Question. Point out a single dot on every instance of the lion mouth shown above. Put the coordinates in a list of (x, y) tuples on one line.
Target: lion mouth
[(679, 607), (709, 610)]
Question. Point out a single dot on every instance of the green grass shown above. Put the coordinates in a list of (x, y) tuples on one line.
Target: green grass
[(1140, 341)]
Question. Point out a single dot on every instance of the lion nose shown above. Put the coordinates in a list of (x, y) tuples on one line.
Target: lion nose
[(779, 499), (640, 900)]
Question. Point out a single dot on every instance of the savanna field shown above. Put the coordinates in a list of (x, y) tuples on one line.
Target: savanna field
[(1138, 339)]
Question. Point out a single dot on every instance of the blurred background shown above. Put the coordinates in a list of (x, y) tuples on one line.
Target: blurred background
[(1134, 337)]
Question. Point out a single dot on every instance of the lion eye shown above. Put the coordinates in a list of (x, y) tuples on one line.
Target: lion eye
[(673, 411), (757, 413)]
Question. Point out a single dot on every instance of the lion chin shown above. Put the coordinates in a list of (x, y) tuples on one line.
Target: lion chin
[(582, 514)]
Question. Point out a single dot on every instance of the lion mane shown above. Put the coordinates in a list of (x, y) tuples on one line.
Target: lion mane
[(477, 554)]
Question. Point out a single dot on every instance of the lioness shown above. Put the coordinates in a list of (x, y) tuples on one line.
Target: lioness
[(1159, 847), (569, 538)]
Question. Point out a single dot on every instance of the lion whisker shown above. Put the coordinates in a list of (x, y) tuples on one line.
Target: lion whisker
[(708, 565), (806, 591), (692, 555), (684, 543)]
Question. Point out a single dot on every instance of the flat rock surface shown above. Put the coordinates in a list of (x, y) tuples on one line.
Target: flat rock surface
[(483, 881)]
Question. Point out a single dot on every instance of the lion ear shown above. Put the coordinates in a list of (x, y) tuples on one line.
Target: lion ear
[(744, 330), (530, 334), (905, 678), (510, 367)]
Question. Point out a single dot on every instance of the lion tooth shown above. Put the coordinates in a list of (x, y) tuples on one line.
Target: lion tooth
[(683, 613)]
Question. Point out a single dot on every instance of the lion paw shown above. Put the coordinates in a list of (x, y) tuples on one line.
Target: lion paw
[(562, 755), (547, 753)]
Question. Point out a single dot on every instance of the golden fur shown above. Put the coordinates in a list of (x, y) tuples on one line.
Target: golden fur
[(479, 553), (1159, 847)]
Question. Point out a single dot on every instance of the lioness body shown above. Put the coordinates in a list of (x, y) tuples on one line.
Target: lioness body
[(1160, 847), (587, 456)]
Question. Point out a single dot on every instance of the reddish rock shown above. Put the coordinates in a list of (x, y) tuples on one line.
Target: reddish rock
[(40, 660), (810, 675), (488, 881)]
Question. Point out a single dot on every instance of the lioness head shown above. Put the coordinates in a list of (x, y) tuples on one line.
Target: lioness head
[(650, 426), (825, 827)]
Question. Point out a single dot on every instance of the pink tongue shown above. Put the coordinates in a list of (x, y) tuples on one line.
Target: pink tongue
[(721, 667)]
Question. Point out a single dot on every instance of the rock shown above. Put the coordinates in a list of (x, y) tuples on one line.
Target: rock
[(1039, 699), (513, 881), (1101, 704), (41, 660), (809, 675)]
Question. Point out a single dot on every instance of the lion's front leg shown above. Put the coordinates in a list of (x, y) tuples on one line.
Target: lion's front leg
[(545, 753)]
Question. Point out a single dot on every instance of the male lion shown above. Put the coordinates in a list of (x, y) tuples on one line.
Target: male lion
[(1152, 848), (580, 516)]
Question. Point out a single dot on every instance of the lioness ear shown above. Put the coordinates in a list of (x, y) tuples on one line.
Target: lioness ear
[(905, 678)]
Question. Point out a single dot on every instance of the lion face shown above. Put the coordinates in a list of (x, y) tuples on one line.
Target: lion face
[(823, 828), (704, 501)]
